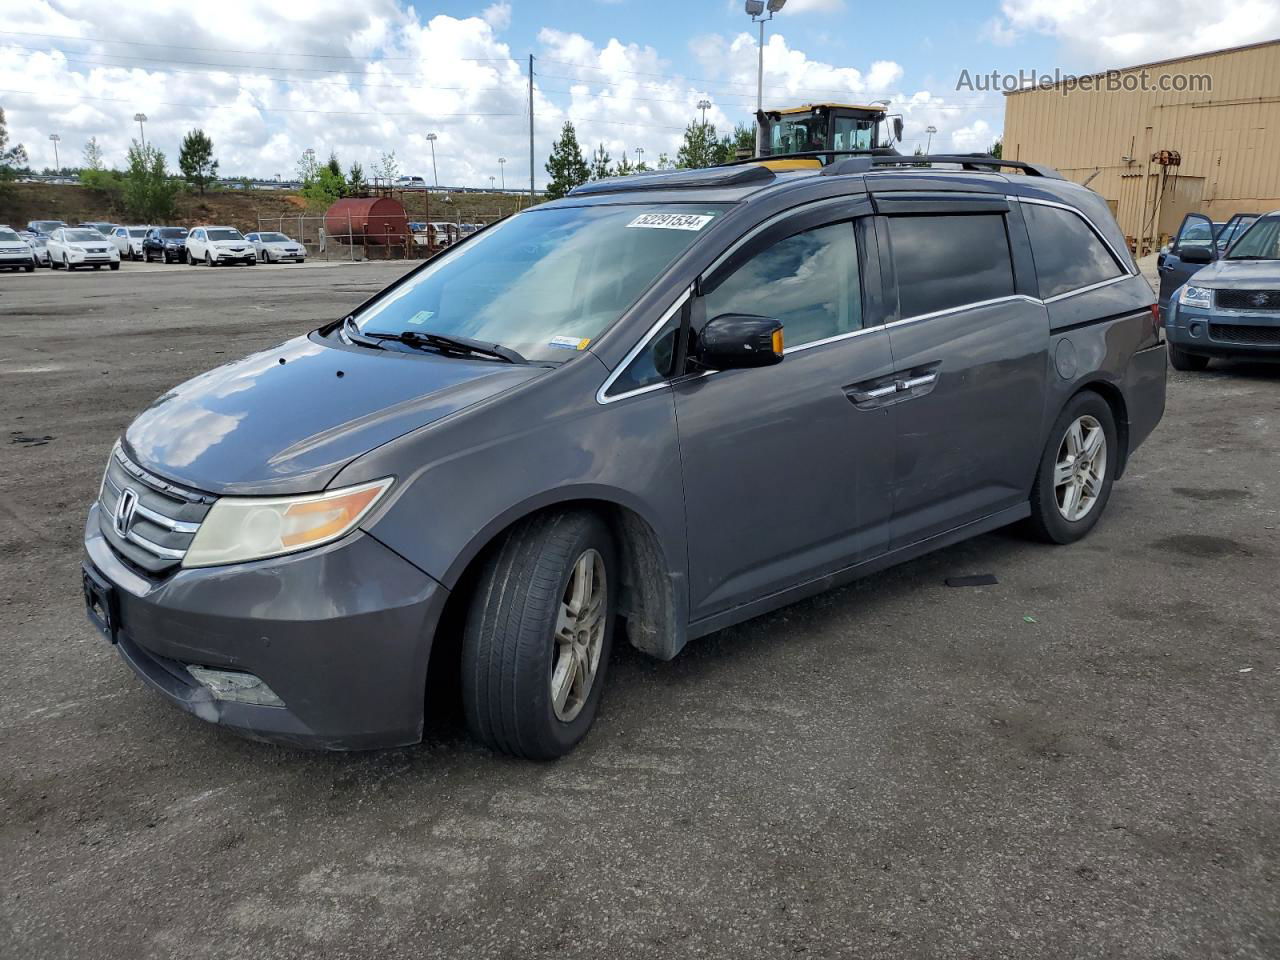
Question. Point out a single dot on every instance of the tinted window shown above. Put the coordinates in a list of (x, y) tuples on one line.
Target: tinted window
[(654, 363), (808, 281), (225, 235), (948, 261), (1067, 252), (1261, 241)]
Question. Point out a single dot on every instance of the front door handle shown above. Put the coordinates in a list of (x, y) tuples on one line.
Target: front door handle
[(875, 393), (913, 382)]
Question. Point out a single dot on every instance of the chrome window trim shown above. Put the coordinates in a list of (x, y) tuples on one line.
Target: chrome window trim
[(917, 318), (1122, 261), (1093, 286), (634, 352)]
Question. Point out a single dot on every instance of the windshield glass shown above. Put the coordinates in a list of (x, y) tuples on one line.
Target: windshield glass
[(273, 238), (137, 231), (544, 282), (81, 236), (225, 235), (799, 133), (1260, 242), (47, 225), (8, 235), (172, 233)]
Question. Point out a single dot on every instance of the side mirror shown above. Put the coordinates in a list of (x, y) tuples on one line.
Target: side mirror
[(897, 129), (736, 340), (1196, 254)]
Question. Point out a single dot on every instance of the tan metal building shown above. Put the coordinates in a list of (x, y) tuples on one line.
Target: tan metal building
[(1156, 152)]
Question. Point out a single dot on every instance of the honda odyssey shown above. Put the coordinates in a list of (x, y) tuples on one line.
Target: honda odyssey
[(657, 407)]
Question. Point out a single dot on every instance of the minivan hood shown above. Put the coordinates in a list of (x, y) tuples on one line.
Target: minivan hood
[(1240, 274), (288, 419)]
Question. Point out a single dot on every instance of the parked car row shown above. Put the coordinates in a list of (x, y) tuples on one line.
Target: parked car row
[(1220, 290), (53, 243)]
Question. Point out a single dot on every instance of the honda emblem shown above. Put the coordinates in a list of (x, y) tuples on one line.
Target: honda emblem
[(125, 510)]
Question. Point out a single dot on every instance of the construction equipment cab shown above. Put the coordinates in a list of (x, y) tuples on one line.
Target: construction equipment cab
[(827, 127)]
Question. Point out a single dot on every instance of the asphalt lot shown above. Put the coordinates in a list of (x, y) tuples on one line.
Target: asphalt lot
[(1082, 761)]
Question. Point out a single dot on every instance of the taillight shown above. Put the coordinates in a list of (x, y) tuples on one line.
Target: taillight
[(1157, 328)]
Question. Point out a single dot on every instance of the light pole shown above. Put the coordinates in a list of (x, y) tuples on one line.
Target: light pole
[(756, 10), (639, 151), (431, 139), (930, 130), (57, 164), (704, 106), (502, 170), (141, 118)]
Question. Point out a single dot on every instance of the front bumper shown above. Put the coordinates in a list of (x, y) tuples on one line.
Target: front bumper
[(17, 259), (1228, 334), (232, 257), (342, 634)]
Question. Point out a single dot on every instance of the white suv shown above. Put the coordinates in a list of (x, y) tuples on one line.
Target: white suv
[(214, 245), (128, 240), (73, 247)]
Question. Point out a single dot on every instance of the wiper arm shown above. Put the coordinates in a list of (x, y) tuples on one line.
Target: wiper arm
[(439, 341), (1250, 257)]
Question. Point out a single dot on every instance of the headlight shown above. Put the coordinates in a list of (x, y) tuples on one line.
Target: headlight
[(76, 249), (1196, 297), (237, 529)]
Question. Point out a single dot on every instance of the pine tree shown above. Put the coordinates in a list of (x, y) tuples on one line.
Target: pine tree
[(997, 148), (195, 159), (600, 161), (92, 155), (700, 148), (356, 185), (565, 165), (742, 140)]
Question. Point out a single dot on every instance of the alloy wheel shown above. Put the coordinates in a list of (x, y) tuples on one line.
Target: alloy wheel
[(1080, 468), (579, 636)]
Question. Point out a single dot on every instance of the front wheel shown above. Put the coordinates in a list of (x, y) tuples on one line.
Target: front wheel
[(30, 268), (67, 264), (115, 266), (1076, 471), (208, 259), (1189, 362), (535, 650)]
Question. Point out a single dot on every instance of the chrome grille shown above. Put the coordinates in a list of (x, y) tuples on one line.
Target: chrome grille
[(157, 521)]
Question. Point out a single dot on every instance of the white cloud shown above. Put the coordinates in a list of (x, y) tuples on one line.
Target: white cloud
[(498, 16), (266, 82), (1115, 33), (814, 6), (998, 32)]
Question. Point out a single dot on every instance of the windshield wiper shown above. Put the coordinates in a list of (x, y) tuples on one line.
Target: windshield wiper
[(1251, 257), (446, 343)]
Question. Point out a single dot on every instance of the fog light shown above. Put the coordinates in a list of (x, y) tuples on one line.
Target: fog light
[(1196, 330), (236, 686)]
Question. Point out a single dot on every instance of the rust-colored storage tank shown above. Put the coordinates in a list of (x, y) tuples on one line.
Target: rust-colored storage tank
[(374, 221)]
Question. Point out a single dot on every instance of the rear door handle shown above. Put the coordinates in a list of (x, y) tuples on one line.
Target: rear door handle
[(913, 382)]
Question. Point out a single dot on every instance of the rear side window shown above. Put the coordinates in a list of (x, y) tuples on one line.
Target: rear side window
[(944, 262), (1068, 254)]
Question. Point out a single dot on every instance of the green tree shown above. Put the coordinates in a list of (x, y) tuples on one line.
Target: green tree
[(388, 167), (600, 161), (700, 147), (664, 162), (10, 157), (195, 159), (356, 185), (741, 141), (146, 190), (92, 155), (565, 165), (321, 187), (997, 149), (625, 167)]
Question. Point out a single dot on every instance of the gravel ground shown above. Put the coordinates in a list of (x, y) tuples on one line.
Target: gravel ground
[(1081, 761)]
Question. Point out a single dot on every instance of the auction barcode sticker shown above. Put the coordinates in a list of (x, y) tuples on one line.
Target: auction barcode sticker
[(672, 221)]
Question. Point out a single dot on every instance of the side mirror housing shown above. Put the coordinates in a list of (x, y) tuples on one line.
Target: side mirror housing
[(897, 129), (1196, 254), (733, 341)]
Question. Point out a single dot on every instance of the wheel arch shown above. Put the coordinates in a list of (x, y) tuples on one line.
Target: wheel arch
[(654, 600), (1114, 398)]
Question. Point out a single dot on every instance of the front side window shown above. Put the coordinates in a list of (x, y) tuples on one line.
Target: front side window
[(1067, 253), (544, 283), (809, 281), (949, 261), (853, 134), (1261, 241)]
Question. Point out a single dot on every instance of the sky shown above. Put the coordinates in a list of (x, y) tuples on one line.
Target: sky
[(267, 81)]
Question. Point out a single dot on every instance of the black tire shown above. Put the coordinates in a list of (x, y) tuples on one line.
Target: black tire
[(191, 258), (1047, 521), (208, 259), (508, 645), (115, 266), (1189, 362), (67, 264), (30, 268), (97, 266)]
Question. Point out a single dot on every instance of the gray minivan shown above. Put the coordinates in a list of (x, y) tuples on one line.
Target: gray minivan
[(666, 403)]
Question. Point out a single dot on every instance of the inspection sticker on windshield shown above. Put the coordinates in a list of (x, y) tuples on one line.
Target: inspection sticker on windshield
[(421, 317), (672, 221), (569, 343)]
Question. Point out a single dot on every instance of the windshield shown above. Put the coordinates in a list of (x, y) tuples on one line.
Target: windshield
[(273, 238), (81, 236), (8, 235), (1260, 242), (799, 133), (543, 283), (47, 225), (137, 231), (172, 233), (225, 235)]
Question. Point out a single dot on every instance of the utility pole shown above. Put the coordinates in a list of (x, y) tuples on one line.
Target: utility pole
[(756, 10), (531, 200), (639, 150), (57, 164), (141, 118), (502, 169), (431, 139), (704, 105), (930, 130)]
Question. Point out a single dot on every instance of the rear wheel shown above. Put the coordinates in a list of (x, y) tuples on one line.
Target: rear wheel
[(1191, 362), (1076, 471), (539, 631)]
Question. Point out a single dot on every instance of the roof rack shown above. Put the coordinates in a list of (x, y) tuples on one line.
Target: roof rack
[(837, 162), (726, 176)]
